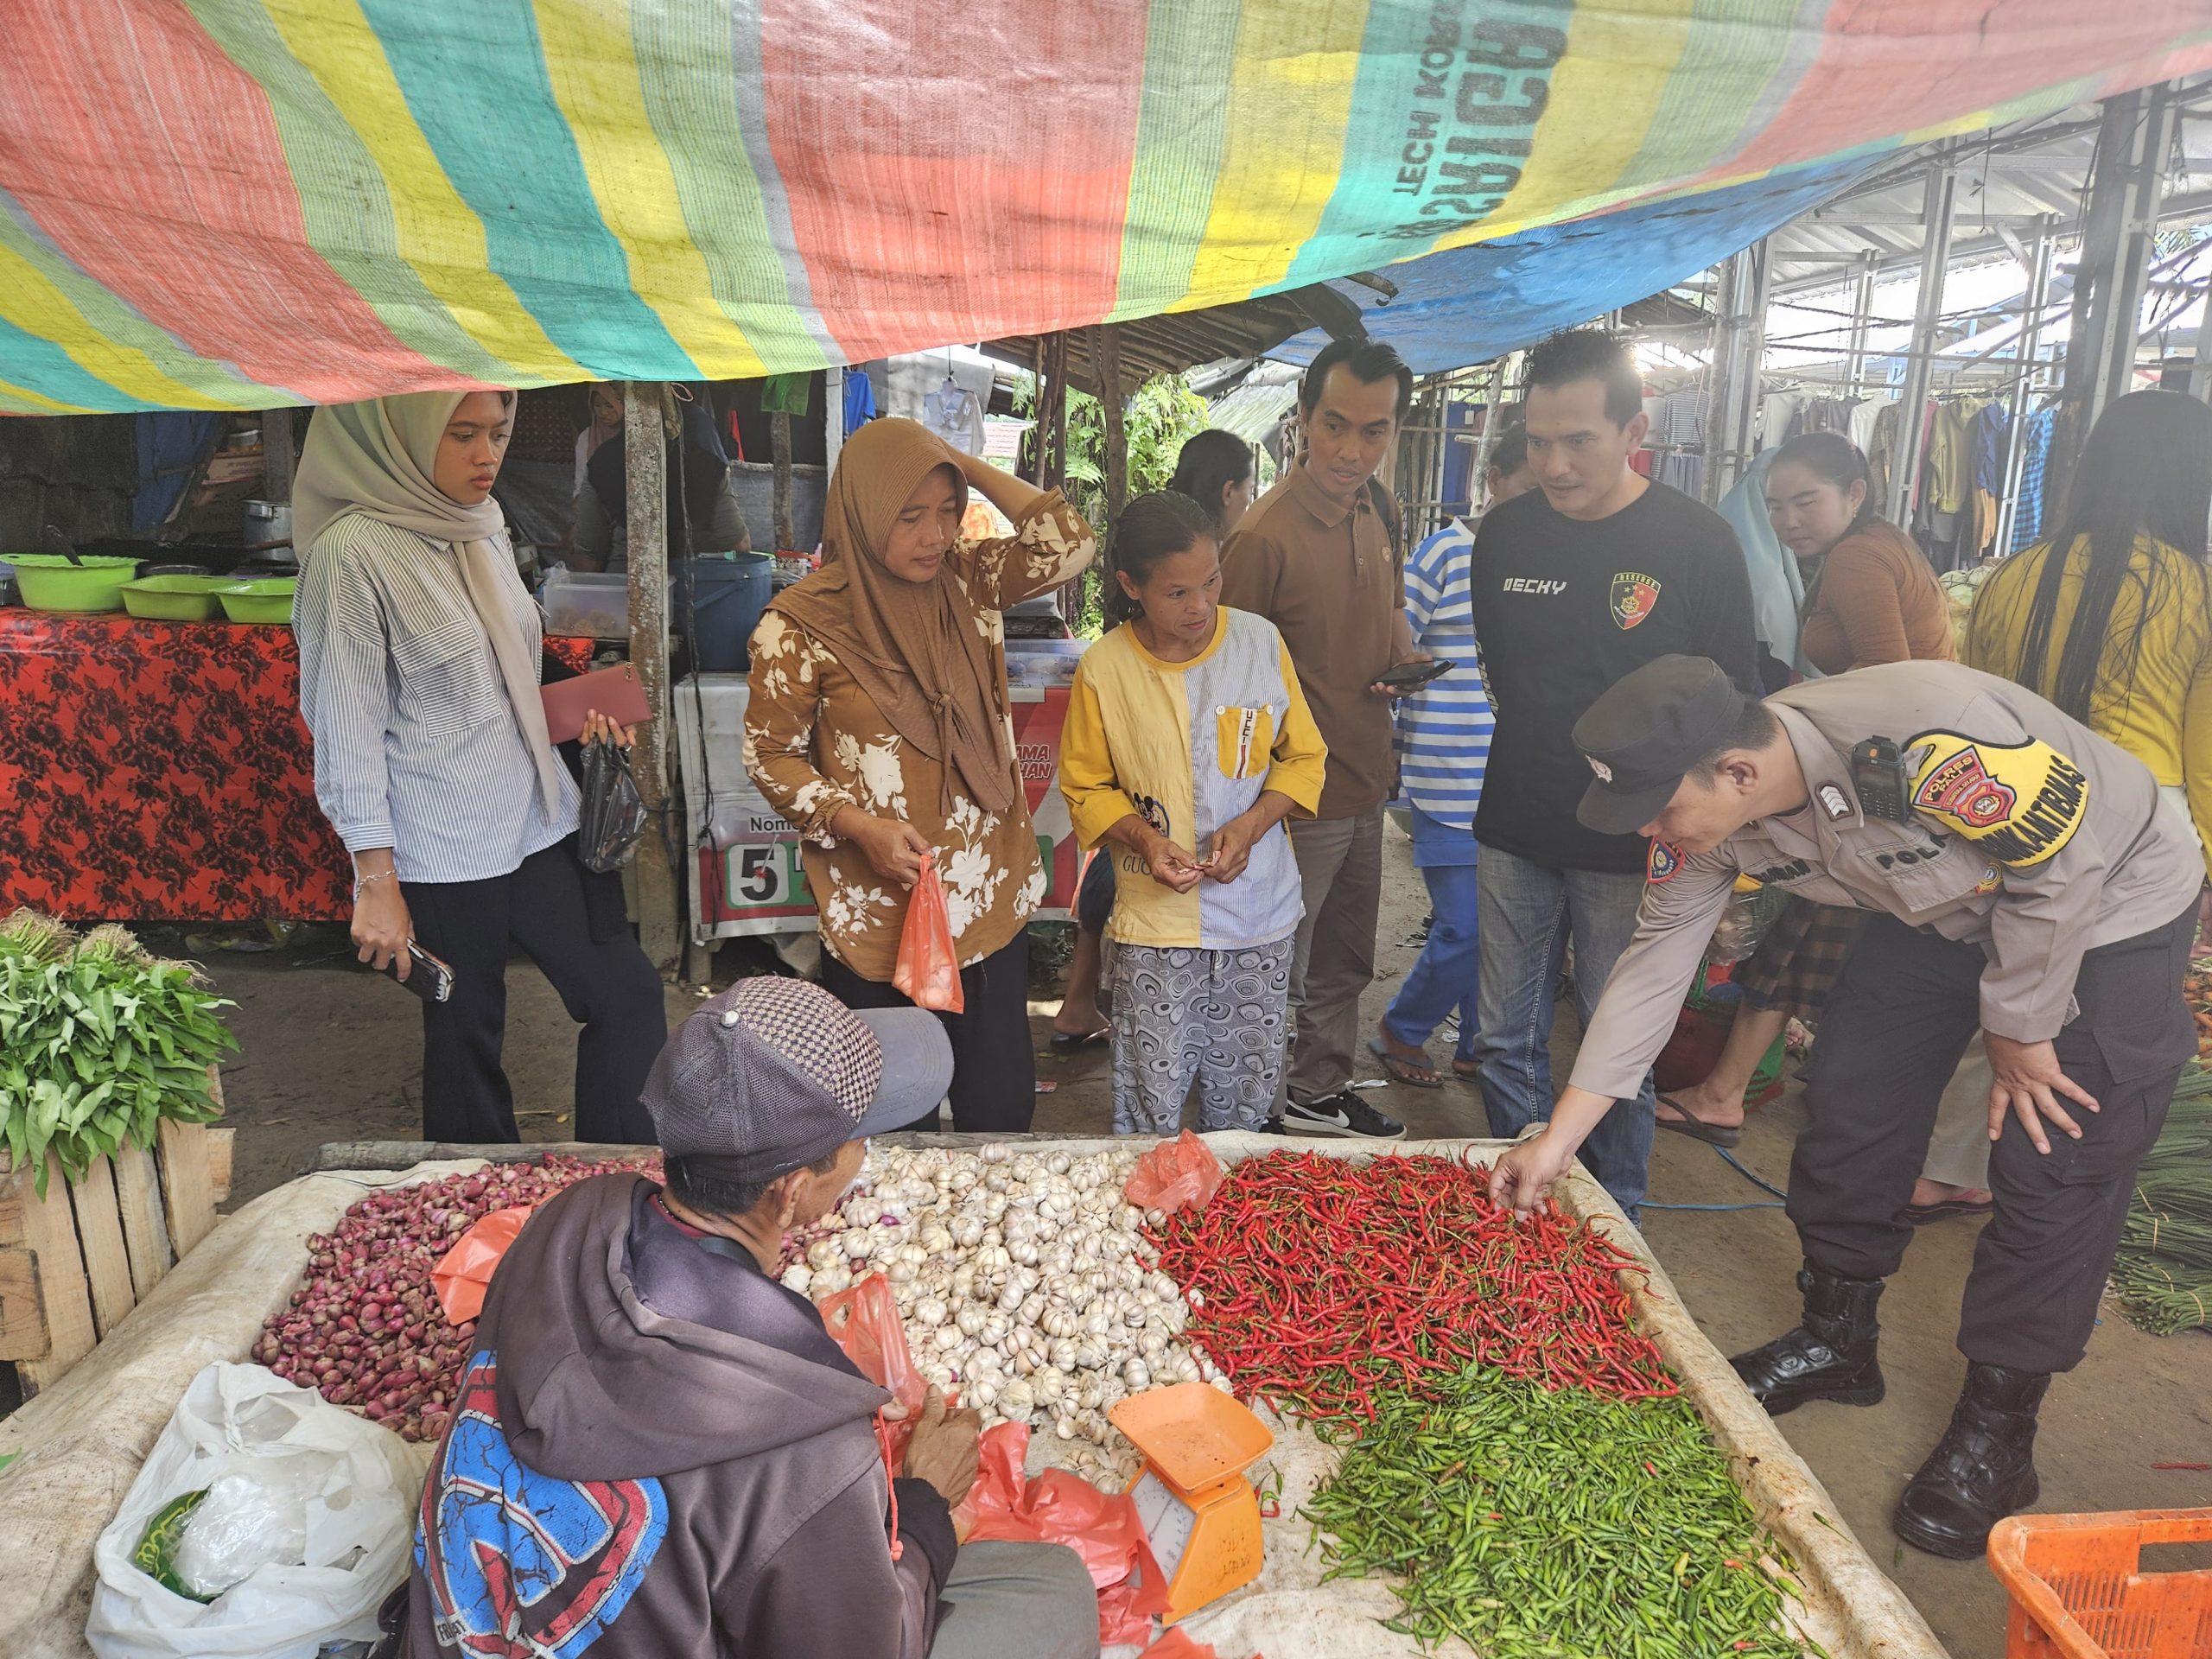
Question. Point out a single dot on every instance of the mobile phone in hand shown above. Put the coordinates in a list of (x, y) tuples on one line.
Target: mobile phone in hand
[(427, 976), (1407, 677)]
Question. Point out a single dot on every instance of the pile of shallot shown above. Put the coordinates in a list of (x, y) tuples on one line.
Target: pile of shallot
[(1025, 1285), (366, 1328)]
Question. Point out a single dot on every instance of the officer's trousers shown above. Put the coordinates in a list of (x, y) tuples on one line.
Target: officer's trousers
[(1900, 1017)]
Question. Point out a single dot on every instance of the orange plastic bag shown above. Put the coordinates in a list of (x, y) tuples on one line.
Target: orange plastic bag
[(928, 972), (864, 1322), (464, 1273), (1173, 1174), (1058, 1507)]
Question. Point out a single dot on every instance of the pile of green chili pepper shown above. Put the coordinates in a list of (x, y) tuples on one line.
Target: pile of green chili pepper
[(1536, 1523), (1325, 1285)]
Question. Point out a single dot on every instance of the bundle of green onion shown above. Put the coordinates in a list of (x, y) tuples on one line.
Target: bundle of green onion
[(1539, 1525), (2163, 1271)]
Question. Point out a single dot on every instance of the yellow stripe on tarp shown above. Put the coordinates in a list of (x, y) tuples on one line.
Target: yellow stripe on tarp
[(1604, 94), (21, 400), (594, 70), (436, 231), (35, 305), (1282, 146)]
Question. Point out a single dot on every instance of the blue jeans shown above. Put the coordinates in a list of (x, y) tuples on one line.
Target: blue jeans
[(1529, 912), (1446, 975)]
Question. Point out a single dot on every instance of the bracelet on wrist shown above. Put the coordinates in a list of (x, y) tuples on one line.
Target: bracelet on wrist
[(362, 881)]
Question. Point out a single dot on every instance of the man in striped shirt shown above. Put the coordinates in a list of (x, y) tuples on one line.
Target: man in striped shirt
[(1443, 740)]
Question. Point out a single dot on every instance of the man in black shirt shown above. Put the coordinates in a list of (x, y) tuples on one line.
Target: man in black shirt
[(1575, 584)]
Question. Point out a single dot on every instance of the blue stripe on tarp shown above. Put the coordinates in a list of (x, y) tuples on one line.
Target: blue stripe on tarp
[(1468, 305)]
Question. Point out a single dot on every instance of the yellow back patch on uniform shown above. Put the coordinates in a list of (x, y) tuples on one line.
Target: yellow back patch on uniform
[(2020, 804)]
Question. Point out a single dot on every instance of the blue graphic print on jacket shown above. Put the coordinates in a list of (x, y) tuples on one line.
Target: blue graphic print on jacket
[(526, 1565)]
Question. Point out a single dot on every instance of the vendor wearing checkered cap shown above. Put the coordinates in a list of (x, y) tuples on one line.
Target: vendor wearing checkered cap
[(2025, 878), (658, 1450)]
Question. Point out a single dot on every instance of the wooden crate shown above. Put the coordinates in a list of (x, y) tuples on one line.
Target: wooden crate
[(74, 1264)]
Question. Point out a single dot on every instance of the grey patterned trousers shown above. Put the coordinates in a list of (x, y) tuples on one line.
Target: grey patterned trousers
[(1215, 1017)]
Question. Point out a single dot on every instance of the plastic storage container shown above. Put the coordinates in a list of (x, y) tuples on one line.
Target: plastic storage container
[(51, 582), (729, 591), (2079, 1587), (267, 601), (175, 598), (593, 604)]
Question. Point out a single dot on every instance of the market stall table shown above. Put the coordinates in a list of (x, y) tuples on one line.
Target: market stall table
[(80, 1445), (160, 771)]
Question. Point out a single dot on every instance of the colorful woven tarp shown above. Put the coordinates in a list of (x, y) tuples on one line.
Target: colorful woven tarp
[(243, 203)]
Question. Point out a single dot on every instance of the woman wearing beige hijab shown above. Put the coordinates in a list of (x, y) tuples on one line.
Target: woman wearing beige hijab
[(878, 724), (419, 662)]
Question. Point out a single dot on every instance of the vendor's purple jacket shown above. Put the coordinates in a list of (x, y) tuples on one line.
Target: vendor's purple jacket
[(657, 1450)]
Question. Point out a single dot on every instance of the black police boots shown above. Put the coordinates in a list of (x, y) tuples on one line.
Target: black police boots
[(1829, 1357), (1981, 1470)]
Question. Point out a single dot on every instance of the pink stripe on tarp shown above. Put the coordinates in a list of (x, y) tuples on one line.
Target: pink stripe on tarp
[(1884, 69), (1016, 120), (152, 160)]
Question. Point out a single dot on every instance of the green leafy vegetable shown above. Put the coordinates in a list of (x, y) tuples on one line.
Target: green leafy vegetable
[(100, 1042)]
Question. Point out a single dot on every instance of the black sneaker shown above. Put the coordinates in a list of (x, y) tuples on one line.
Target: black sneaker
[(1342, 1112)]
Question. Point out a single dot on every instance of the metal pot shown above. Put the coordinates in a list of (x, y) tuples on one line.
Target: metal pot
[(268, 524)]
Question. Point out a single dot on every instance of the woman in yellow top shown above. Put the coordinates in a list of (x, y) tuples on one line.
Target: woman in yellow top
[(2118, 632), (1187, 743), (878, 724)]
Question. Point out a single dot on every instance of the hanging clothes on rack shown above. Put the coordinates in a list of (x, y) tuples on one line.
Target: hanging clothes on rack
[(2027, 511)]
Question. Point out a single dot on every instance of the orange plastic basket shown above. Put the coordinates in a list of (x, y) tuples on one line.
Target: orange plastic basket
[(2078, 1588)]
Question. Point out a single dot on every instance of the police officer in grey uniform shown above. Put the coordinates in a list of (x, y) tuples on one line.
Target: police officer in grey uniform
[(2026, 879)]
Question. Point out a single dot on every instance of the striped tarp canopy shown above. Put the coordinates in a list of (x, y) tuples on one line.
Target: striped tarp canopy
[(250, 203)]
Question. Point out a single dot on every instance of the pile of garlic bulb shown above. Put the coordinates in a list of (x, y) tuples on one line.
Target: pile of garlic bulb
[(1025, 1285)]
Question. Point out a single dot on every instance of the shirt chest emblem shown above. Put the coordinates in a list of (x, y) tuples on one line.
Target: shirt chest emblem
[(1634, 596)]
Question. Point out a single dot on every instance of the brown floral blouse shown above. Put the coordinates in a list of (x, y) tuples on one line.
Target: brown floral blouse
[(814, 741)]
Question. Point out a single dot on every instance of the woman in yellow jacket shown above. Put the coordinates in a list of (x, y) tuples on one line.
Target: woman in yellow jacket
[(2117, 632)]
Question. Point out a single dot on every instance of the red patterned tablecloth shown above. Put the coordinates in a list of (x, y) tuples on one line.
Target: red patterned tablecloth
[(160, 771)]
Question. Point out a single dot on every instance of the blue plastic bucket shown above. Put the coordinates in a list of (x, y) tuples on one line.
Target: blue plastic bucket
[(729, 591)]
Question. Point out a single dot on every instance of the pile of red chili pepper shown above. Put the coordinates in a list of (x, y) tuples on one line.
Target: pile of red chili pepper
[(1314, 1282)]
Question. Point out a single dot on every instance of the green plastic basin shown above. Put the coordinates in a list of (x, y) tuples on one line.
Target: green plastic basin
[(267, 599), (50, 582), (175, 598)]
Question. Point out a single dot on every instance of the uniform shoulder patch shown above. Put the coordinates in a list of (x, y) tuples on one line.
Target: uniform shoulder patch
[(2018, 803), (1663, 864)]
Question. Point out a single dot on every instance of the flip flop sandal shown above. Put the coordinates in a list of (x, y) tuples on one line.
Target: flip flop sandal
[(1069, 1042), (1919, 1215), (1466, 1073), (1400, 1070), (1713, 1135)]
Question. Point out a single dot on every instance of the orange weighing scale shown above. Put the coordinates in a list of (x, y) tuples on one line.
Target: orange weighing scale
[(1200, 1515)]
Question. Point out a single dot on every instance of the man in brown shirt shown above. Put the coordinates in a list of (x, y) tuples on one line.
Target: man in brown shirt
[(1319, 556)]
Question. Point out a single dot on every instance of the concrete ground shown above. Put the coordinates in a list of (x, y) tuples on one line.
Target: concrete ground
[(330, 1053)]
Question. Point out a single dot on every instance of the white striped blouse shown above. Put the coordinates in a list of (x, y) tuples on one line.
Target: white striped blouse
[(1443, 731), (416, 748)]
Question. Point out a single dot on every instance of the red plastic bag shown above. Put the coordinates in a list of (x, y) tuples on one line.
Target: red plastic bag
[(1176, 1644), (928, 972), (464, 1273), (1058, 1507), (1173, 1174), (864, 1322)]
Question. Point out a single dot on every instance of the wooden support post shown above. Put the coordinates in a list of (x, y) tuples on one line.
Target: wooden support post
[(277, 454), (1058, 480), (1106, 374), (780, 441), (646, 488)]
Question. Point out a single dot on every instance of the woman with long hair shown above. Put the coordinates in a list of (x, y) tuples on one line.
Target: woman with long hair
[(1215, 469), (2116, 629)]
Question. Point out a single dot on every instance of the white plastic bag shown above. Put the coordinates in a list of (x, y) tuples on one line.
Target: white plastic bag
[(355, 1486)]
